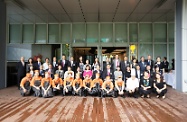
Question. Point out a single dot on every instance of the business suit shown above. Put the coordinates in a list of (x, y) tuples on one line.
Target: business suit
[(115, 64), (151, 63), (142, 66), (123, 67), (139, 74), (73, 65), (106, 73), (55, 66), (21, 72), (64, 66), (94, 74), (105, 65), (165, 65), (37, 65)]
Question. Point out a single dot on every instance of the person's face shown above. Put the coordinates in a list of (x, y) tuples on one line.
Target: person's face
[(80, 58), (22, 58), (87, 68), (47, 60), (69, 68), (41, 67), (118, 68), (30, 60), (125, 58), (149, 57), (38, 59), (148, 67), (31, 68), (50, 66), (77, 76), (137, 67), (97, 76), (46, 75), (69, 75), (63, 57), (56, 77), (157, 76), (87, 62), (116, 57), (134, 61), (59, 67), (128, 68), (71, 58), (54, 59), (36, 74), (142, 59), (158, 59), (146, 74), (157, 69), (96, 60), (108, 66), (107, 59), (78, 69)]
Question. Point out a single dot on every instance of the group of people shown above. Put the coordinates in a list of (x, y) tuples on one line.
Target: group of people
[(68, 77)]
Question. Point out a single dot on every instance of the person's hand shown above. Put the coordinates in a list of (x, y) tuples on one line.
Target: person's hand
[(24, 90), (66, 90), (107, 92), (89, 89)]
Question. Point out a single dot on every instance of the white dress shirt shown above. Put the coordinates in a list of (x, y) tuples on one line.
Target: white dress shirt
[(132, 84)]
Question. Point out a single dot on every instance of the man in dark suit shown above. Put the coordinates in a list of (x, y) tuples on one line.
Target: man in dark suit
[(151, 74), (98, 70), (64, 63), (123, 65), (115, 63), (50, 71), (108, 72), (165, 64), (150, 62), (73, 64), (142, 64), (21, 68), (139, 74), (55, 64), (37, 64)]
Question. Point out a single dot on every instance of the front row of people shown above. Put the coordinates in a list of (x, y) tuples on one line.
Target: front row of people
[(46, 87)]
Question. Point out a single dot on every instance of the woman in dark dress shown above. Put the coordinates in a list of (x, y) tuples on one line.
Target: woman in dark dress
[(145, 85), (127, 73), (160, 86), (158, 63), (157, 70), (134, 63), (29, 64)]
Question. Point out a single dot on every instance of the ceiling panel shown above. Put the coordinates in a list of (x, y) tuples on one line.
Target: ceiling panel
[(120, 17), (91, 17), (127, 6), (90, 6), (106, 17), (76, 17), (71, 6), (108, 7)]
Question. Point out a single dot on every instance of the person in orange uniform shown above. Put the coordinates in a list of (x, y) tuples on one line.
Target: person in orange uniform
[(97, 85), (36, 84), (119, 87), (77, 86), (25, 85), (87, 82), (46, 86), (107, 87), (68, 84), (57, 84)]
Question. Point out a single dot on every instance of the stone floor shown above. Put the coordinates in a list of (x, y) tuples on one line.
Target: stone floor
[(14, 108)]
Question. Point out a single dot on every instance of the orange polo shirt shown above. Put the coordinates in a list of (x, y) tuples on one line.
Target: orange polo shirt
[(87, 81), (57, 81), (39, 78), (23, 81), (100, 81), (46, 80), (79, 81), (69, 80), (107, 83)]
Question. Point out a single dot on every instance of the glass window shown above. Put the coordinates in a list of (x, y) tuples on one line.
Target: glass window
[(160, 32), (79, 33), (28, 33), (133, 32), (65, 33), (92, 33), (171, 32), (15, 33), (106, 33), (145, 50), (41, 33), (121, 32), (160, 50), (145, 32), (53, 33)]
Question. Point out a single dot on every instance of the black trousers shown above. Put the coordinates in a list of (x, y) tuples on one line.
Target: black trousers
[(133, 94), (58, 91), (104, 93), (116, 94), (162, 93), (145, 92), (77, 93), (19, 78), (70, 89)]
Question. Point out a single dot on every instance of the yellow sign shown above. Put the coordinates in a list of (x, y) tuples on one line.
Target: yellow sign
[(132, 48)]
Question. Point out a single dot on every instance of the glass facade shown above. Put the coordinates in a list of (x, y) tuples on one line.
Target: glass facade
[(155, 39)]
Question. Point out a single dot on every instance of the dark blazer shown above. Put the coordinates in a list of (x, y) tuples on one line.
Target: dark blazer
[(94, 74), (142, 66), (55, 67), (123, 66), (165, 65), (105, 65), (73, 66), (36, 66), (105, 73), (151, 63), (141, 74), (21, 69), (65, 66), (42, 73), (114, 66)]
